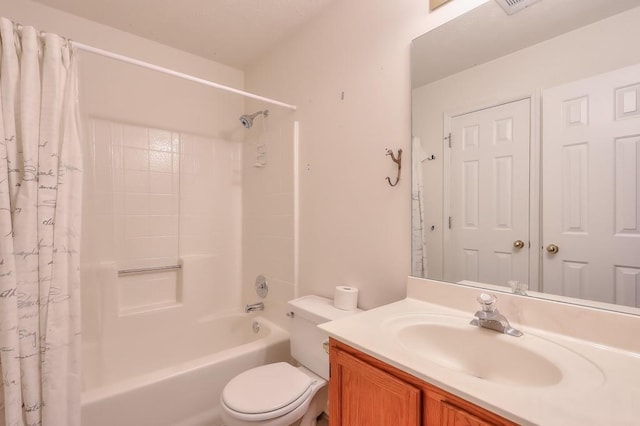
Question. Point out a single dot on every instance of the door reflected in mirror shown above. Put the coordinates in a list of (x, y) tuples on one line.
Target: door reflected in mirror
[(526, 150)]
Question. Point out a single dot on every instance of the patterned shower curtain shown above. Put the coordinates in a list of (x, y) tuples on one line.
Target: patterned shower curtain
[(40, 206), (418, 238)]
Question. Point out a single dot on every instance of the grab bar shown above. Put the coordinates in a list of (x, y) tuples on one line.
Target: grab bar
[(148, 270)]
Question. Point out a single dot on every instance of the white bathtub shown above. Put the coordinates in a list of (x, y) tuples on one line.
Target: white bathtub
[(175, 380)]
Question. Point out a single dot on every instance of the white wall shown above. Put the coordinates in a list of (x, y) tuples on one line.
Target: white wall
[(354, 228), (123, 93)]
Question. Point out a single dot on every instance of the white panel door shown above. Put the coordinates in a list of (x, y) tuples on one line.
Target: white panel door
[(489, 187), (591, 188)]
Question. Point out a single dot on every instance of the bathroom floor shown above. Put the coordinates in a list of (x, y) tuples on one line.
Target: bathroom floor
[(323, 421)]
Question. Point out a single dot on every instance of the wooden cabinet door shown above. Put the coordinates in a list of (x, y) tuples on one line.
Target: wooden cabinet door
[(364, 391), (361, 394), (454, 416)]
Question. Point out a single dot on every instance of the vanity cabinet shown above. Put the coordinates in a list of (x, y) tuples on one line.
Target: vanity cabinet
[(366, 391)]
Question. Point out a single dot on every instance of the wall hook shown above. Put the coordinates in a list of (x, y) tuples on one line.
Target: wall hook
[(398, 161)]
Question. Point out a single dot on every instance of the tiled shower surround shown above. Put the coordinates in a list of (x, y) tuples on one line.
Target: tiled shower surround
[(146, 189), (157, 198)]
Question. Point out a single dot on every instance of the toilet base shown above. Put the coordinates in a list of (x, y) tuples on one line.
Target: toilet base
[(316, 407)]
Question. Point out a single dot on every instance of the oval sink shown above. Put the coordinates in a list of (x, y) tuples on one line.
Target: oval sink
[(452, 342)]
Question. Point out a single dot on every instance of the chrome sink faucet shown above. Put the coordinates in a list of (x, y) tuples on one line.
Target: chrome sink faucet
[(489, 316), (254, 307)]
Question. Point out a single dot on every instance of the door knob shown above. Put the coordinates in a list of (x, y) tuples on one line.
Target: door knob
[(518, 244), (553, 249)]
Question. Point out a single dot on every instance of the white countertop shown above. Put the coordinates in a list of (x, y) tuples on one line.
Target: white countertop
[(602, 389)]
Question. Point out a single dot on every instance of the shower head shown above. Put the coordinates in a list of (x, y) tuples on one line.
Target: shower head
[(247, 120)]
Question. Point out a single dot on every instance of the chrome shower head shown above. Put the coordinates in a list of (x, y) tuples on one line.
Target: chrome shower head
[(247, 120)]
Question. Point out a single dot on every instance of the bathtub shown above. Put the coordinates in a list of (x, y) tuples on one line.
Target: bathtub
[(175, 380)]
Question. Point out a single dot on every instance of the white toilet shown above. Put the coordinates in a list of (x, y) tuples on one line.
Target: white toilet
[(279, 394)]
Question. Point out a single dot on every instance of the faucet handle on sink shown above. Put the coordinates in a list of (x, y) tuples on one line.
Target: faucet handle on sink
[(518, 288), (487, 301)]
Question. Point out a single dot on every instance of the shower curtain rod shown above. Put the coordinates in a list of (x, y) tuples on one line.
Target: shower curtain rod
[(178, 74)]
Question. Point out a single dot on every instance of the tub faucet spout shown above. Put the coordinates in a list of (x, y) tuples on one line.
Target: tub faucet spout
[(254, 307)]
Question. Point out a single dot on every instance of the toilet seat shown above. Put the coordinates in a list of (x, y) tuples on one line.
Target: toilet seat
[(252, 396)]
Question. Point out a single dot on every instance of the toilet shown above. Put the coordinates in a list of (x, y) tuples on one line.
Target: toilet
[(280, 394)]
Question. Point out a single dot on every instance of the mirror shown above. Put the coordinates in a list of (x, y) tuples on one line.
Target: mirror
[(526, 151)]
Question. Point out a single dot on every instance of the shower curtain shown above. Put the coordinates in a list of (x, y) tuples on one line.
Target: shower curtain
[(418, 240), (40, 204)]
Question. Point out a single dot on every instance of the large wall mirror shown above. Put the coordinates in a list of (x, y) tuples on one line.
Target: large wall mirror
[(526, 151)]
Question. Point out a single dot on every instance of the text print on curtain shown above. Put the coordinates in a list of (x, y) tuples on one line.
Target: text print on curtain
[(40, 208)]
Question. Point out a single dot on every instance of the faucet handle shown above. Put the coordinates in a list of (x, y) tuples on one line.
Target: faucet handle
[(487, 301), (518, 288)]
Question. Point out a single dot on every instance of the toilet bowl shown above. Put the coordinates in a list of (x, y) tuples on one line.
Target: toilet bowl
[(280, 394), (274, 395)]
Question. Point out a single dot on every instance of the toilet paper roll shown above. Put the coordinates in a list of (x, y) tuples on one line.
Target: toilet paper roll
[(345, 298)]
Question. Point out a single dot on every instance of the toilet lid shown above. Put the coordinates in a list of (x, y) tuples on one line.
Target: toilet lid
[(267, 388)]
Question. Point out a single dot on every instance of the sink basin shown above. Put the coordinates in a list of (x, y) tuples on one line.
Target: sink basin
[(453, 343)]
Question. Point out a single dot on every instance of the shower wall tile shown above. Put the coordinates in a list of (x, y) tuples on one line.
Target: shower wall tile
[(118, 180), (135, 181), (160, 161), (137, 226), (150, 189), (143, 207), (103, 177), (160, 225), (194, 204), (161, 140), (102, 202), (146, 248), (162, 183), (192, 145), (268, 207), (208, 167), (191, 164), (163, 204), (135, 137), (168, 198), (101, 147), (196, 224), (134, 204), (136, 159)]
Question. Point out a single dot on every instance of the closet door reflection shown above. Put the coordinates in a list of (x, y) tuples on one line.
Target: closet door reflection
[(591, 188), (487, 223)]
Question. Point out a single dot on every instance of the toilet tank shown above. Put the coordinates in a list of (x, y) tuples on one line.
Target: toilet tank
[(306, 337)]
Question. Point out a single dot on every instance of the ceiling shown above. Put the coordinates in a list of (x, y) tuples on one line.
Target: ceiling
[(487, 33), (233, 32)]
